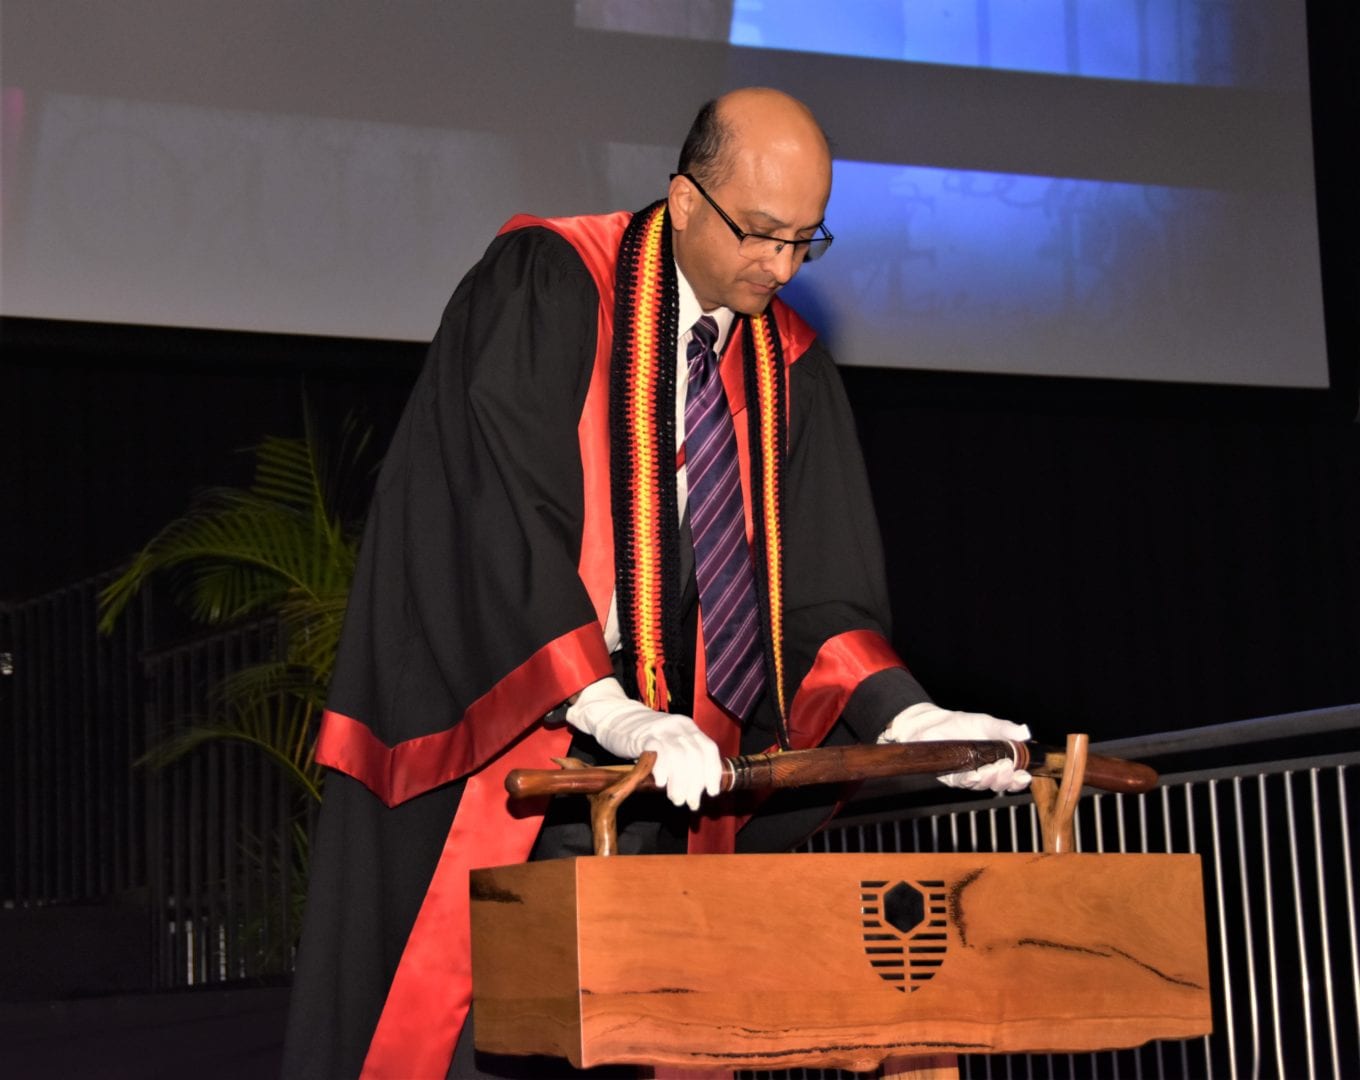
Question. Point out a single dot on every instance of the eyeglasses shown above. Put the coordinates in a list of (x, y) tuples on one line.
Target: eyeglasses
[(756, 246)]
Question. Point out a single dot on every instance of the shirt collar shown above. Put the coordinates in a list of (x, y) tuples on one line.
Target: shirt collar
[(689, 312)]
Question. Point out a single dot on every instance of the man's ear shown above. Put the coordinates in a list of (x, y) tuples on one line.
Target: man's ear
[(681, 196)]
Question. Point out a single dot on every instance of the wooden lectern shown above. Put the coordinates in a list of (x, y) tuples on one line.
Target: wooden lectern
[(786, 961)]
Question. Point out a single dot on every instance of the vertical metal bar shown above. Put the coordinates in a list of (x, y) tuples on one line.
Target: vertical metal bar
[(66, 853), (1122, 838), (1343, 807), (1323, 923), (66, 836), (179, 837), (43, 792), (156, 822), (136, 793), (96, 723), (1190, 844), (79, 756), (1244, 887), (1144, 849), (11, 730), (54, 793), (1222, 926), (85, 786), (197, 899), (32, 808), (1097, 804), (231, 856), (100, 730), (106, 735), (250, 902), (212, 853), (1268, 889), (285, 829), (122, 825), (1305, 983)]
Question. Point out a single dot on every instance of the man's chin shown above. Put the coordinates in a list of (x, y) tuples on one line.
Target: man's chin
[(752, 301)]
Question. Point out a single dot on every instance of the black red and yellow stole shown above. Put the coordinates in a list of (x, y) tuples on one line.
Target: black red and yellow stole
[(642, 467)]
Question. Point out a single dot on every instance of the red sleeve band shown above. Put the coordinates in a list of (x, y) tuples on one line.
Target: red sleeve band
[(492, 722), (843, 662)]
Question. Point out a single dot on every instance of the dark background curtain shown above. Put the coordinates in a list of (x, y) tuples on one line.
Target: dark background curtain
[(1106, 557)]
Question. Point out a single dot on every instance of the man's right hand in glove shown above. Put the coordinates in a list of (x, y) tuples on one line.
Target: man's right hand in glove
[(688, 764)]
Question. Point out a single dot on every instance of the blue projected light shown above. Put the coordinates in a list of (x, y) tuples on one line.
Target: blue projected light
[(1192, 42), (950, 246), (945, 268)]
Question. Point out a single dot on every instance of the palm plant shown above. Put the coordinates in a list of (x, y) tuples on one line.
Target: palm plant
[(279, 548)]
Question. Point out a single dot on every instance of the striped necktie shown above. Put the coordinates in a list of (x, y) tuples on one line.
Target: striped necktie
[(722, 558)]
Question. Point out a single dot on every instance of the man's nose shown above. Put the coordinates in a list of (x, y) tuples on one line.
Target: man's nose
[(784, 264)]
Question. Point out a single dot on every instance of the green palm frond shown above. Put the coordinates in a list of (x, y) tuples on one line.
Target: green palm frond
[(312, 630), (282, 547), (252, 688), (302, 773), (249, 551)]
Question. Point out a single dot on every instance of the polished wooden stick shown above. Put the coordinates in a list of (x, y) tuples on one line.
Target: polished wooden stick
[(839, 764)]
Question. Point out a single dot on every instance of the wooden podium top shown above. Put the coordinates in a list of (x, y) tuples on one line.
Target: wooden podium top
[(782, 961)]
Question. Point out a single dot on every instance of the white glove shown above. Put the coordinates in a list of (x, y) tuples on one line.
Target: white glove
[(927, 722), (687, 761)]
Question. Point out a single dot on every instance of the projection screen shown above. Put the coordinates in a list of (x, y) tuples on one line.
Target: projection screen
[(1120, 189)]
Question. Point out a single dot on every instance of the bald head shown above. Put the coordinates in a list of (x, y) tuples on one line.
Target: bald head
[(754, 120)]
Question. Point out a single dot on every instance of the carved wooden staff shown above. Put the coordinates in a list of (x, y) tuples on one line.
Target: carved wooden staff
[(609, 785), (839, 764)]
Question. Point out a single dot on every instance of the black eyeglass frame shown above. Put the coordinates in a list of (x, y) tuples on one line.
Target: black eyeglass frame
[(741, 234)]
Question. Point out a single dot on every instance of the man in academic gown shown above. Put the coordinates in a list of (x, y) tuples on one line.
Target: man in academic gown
[(527, 582)]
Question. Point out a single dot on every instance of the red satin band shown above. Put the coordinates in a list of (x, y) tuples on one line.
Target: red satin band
[(714, 832), (595, 236), (596, 240), (397, 773), (842, 663), (428, 1001)]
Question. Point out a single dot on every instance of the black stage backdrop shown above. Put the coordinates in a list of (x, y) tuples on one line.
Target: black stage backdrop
[(1107, 557)]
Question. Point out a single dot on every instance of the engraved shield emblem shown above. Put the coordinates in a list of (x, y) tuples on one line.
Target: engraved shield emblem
[(905, 930)]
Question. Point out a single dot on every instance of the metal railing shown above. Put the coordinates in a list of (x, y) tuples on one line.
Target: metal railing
[(1277, 843), (212, 845), (225, 837), (209, 846), (71, 726)]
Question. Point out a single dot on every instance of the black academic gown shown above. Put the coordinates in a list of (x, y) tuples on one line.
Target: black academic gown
[(468, 579)]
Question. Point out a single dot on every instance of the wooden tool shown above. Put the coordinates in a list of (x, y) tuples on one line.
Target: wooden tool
[(609, 785), (838, 764)]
